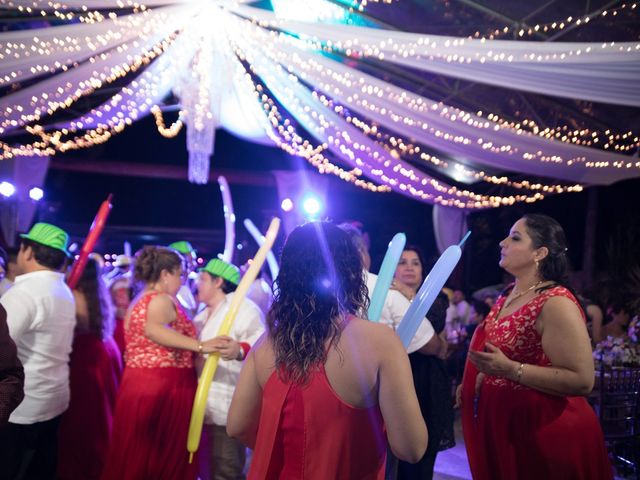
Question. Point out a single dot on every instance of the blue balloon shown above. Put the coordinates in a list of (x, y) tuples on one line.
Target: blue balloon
[(429, 291), (385, 276)]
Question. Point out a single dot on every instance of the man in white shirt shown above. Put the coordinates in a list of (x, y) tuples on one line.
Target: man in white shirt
[(217, 282), (41, 319)]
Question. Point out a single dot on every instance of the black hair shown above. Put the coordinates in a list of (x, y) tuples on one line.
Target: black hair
[(547, 232), (227, 286), (418, 251), (94, 289), (48, 257), (481, 308)]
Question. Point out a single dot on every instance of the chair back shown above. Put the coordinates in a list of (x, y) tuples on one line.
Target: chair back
[(618, 404)]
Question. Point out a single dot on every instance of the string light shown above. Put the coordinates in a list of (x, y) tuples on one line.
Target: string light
[(397, 147), (415, 182), (557, 25), (619, 142), (51, 52), (175, 127), (376, 98), (284, 134), (48, 103), (112, 118), (378, 156), (432, 47)]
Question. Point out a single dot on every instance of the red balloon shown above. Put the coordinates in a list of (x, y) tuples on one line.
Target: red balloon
[(94, 233)]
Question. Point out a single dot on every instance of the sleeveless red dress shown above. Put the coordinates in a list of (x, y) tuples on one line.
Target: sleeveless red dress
[(514, 432), (307, 432), (95, 370), (152, 414)]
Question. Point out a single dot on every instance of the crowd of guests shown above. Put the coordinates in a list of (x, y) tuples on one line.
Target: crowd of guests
[(99, 382)]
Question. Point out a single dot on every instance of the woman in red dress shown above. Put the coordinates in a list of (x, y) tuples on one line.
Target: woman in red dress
[(95, 370), (318, 394), (524, 412), (159, 382)]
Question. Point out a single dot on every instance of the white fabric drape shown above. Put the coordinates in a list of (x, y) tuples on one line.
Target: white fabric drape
[(73, 60), (601, 72), (449, 226)]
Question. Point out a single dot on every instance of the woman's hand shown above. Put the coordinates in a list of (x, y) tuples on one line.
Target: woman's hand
[(479, 379), (493, 362), (227, 347), (210, 346)]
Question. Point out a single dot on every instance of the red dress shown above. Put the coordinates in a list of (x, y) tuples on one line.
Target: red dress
[(152, 414), (307, 432), (95, 370), (514, 432)]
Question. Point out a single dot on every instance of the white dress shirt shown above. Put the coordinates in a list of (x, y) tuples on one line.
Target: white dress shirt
[(247, 327), (41, 316), (395, 306), (5, 284)]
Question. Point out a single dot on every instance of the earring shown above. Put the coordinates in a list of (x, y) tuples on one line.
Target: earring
[(537, 264)]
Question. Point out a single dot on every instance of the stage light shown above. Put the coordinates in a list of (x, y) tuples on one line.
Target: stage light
[(311, 206), (36, 194), (7, 189), (287, 205)]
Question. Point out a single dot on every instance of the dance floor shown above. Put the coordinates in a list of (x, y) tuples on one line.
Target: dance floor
[(452, 464)]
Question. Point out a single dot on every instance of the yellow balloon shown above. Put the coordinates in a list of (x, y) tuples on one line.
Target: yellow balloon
[(211, 364)]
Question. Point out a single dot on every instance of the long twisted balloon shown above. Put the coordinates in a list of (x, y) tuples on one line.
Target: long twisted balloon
[(229, 220), (385, 275), (429, 291), (210, 366), (92, 237)]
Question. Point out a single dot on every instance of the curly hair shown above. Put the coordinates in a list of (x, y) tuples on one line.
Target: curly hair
[(321, 280), (153, 259), (94, 289)]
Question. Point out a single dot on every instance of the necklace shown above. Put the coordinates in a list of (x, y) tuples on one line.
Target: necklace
[(520, 294)]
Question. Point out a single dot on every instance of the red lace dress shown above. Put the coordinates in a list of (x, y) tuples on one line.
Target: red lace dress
[(514, 432), (308, 433), (152, 413)]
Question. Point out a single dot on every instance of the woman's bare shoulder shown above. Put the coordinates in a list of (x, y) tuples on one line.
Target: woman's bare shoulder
[(373, 332)]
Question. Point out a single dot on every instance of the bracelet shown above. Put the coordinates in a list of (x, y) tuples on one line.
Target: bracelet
[(519, 372), (200, 348)]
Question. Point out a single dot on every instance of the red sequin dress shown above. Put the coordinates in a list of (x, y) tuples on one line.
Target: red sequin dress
[(154, 405), (308, 433), (515, 432)]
